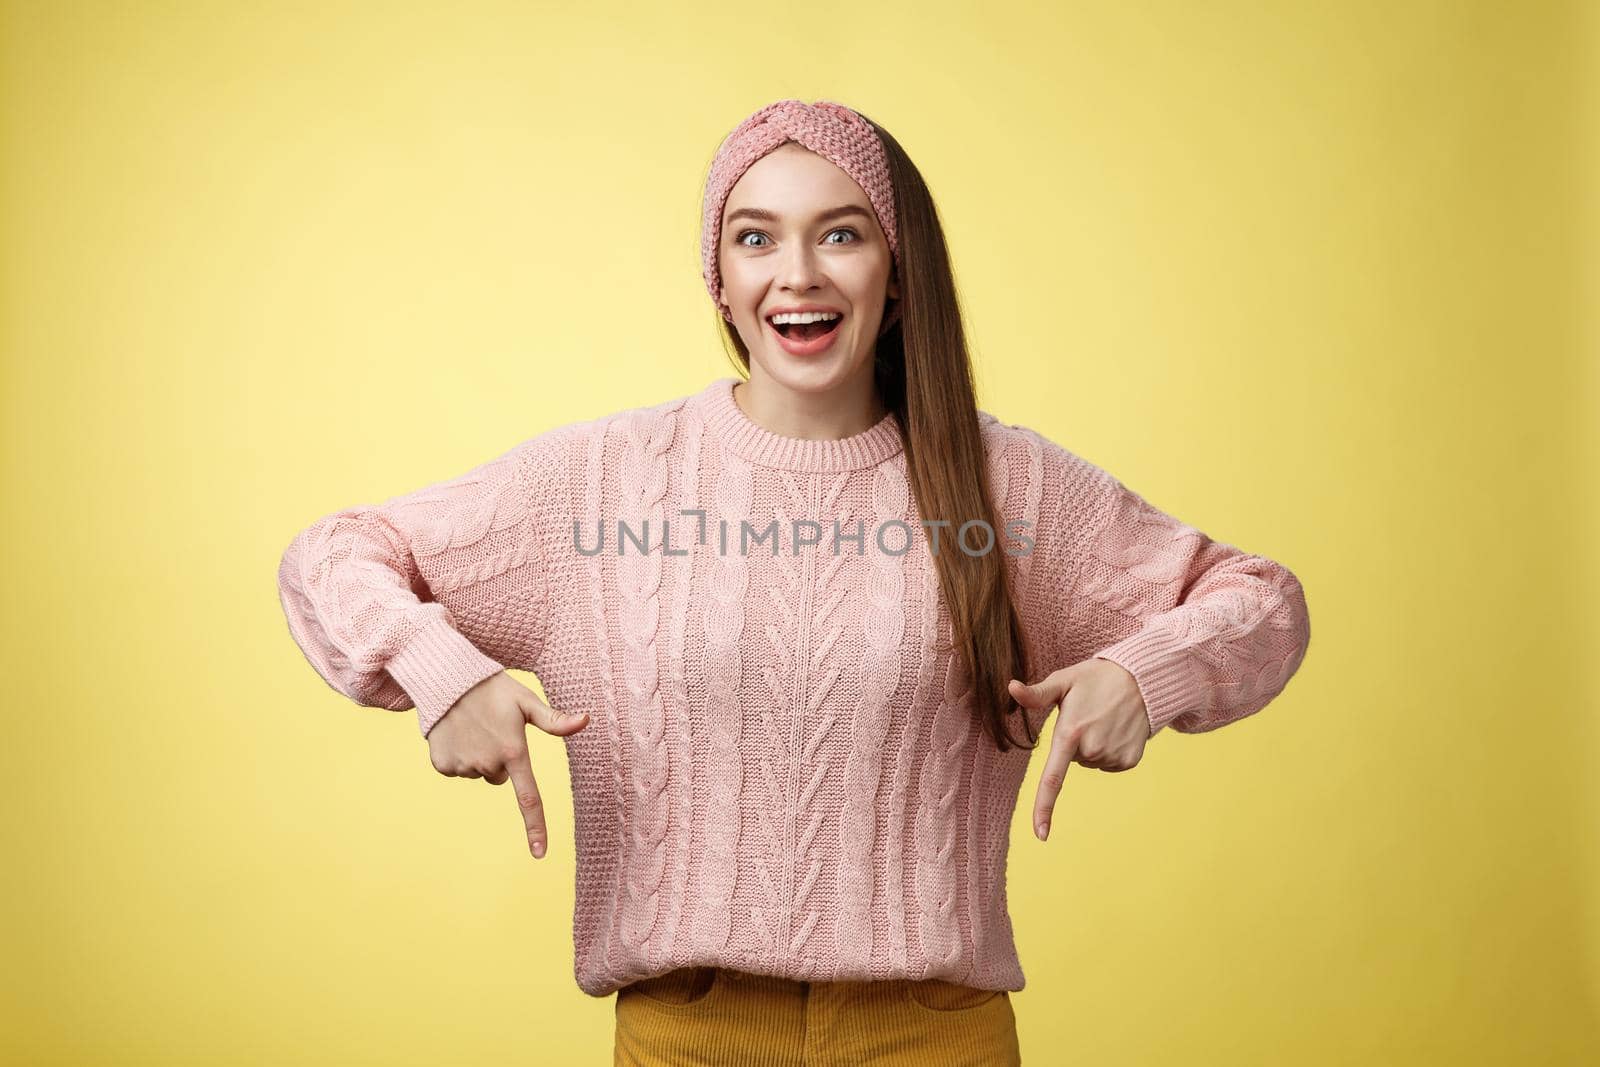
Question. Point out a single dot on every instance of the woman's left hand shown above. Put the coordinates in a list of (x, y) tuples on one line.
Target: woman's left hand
[(1103, 724)]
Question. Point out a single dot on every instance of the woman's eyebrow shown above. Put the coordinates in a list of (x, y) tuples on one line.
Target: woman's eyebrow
[(761, 215)]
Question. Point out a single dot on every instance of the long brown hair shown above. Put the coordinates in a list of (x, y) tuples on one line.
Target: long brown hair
[(923, 372)]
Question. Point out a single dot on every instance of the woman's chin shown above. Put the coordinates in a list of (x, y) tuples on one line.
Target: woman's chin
[(813, 374)]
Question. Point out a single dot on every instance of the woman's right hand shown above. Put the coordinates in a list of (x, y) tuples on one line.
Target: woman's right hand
[(484, 735)]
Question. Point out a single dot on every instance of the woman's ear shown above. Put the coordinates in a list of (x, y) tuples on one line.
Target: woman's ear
[(894, 286)]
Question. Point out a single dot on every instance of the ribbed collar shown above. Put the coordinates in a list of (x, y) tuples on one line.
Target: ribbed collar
[(726, 420)]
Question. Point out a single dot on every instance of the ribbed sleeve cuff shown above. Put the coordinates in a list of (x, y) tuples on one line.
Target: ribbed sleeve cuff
[(1167, 676), (436, 666)]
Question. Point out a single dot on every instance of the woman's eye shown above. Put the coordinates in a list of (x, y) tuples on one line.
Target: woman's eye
[(740, 240)]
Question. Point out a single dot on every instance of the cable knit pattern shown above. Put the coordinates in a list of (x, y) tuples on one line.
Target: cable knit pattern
[(936, 819), (350, 584), (681, 734), (643, 476), (724, 629), (599, 840), (882, 628), (908, 913), (782, 634), (783, 772), (1211, 634)]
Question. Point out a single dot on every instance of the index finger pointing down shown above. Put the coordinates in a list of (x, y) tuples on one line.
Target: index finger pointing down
[(529, 802)]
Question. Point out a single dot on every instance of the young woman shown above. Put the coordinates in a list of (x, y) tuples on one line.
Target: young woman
[(793, 626)]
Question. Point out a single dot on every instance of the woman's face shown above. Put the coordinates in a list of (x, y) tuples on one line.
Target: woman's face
[(799, 232)]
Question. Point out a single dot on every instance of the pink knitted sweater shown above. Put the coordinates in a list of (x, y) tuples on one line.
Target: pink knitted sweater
[(782, 772)]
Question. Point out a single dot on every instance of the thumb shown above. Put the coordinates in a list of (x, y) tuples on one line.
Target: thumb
[(1045, 693), (546, 718)]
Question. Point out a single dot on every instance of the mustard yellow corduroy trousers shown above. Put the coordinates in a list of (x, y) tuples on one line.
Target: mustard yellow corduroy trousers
[(717, 1017)]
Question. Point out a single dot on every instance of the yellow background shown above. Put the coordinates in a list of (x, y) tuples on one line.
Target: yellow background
[(1312, 276)]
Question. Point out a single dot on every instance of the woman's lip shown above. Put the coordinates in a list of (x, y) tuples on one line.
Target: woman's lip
[(807, 348)]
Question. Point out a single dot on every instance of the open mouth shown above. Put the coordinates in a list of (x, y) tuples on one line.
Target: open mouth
[(807, 336)]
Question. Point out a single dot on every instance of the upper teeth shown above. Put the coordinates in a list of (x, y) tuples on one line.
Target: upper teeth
[(804, 316)]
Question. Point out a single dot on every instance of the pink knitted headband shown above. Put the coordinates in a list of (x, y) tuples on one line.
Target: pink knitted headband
[(832, 131)]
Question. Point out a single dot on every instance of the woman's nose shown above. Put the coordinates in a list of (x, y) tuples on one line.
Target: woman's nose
[(800, 270)]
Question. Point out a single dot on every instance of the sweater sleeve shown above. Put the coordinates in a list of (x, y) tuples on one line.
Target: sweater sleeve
[(1210, 633), (412, 602)]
